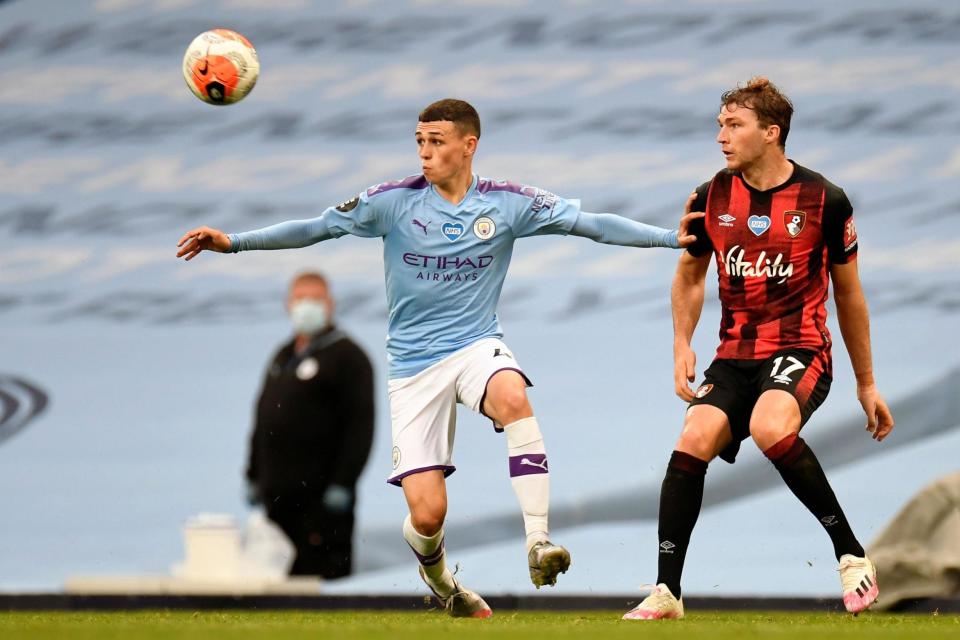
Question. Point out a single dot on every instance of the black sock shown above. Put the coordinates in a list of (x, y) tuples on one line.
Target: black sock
[(680, 498), (802, 472)]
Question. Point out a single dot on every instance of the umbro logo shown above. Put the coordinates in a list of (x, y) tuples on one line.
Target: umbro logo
[(667, 547), (726, 220), (829, 521)]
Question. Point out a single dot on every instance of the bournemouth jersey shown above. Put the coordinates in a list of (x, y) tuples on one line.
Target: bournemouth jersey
[(773, 251)]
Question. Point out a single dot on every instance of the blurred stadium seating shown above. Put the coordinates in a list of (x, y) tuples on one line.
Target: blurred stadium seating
[(149, 366)]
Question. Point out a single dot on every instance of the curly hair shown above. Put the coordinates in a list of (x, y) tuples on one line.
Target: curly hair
[(766, 100)]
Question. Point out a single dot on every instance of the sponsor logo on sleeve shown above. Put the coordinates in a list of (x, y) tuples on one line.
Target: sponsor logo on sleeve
[(349, 205), (541, 199), (758, 224), (396, 457), (793, 222), (849, 235)]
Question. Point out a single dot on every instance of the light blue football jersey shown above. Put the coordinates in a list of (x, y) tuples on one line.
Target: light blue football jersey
[(445, 263)]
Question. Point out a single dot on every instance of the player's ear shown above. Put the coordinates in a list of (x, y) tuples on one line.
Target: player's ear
[(469, 145), (772, 134)]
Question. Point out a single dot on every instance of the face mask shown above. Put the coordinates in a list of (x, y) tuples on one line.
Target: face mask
[(308, 316)]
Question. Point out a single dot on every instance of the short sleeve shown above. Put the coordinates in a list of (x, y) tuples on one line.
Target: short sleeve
[(540, 212), (362, 215), (698, 227), (839, 230)]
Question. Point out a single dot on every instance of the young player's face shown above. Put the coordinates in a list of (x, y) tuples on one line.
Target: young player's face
[(444, 151), (742, 140)]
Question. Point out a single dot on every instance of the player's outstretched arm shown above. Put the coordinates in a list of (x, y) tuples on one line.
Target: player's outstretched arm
[(202, 239), (686, 302), (854, 320), (609, 228), (292, 234)]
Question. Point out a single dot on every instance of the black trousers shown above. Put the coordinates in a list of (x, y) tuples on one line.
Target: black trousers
[(323, 538)]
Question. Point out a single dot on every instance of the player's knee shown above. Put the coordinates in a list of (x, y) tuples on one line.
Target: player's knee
[(427, 521), (767, 432), (511, 404), (697, 443)]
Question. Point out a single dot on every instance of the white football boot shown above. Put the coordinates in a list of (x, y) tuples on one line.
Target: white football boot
[(659, 605), (859, 579), (547, 561), (462, 603)]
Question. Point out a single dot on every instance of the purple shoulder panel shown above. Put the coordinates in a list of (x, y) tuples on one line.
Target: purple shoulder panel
[(485, 185), (410, 182)]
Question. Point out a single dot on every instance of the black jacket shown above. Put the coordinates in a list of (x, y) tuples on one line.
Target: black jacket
[(314, 418)]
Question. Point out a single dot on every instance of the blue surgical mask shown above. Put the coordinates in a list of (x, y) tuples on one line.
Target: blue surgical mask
[(309, 316)]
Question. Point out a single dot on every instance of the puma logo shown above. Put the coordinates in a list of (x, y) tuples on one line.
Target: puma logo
[(497, 352), (531, 463), (417, 223)]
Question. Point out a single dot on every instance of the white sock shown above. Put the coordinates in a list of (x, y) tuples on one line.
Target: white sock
[(430, 553), (529, 476)]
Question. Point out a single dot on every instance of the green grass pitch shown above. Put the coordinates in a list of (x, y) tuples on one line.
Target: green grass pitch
[(360, 625)]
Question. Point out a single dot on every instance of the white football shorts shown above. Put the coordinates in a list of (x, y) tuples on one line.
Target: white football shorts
[(423, 407)]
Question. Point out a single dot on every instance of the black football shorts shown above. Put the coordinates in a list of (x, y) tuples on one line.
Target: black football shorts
[(734, 386)]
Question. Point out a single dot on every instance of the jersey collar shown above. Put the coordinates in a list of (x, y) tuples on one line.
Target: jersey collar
[(449, 205), (783, 185)]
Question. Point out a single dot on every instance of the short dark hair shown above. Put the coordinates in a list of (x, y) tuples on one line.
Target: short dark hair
[(766, 100), (460, 113)]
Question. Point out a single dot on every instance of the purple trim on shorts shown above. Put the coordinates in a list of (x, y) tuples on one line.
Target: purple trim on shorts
[(485, 185), (410, 182), (484, 396), (430, 560), (447, 470), (528, 463)]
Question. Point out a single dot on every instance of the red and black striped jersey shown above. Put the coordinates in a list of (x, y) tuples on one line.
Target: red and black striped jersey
[(773, 252)]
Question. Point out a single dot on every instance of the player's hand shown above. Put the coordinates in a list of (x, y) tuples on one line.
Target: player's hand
[(202, 239), (879, 418), (684, 371), (684, 239)]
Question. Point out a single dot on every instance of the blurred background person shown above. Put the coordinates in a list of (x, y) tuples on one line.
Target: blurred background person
[(313, 433)]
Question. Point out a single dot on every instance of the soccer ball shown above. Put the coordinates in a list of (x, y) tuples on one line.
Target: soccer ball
[(220, 66)]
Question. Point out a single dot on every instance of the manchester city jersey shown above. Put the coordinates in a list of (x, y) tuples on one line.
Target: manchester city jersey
[(445, 263)]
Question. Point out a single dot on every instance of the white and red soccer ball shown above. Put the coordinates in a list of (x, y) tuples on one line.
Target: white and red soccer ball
[(220, 66)]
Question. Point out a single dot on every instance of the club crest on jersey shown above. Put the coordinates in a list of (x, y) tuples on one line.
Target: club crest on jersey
[(704, 390), (758, 224), (793, 222), (452, 230), (484, 228)]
